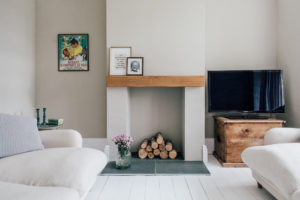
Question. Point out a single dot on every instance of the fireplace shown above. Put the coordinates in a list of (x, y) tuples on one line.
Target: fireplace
[(182, 97)]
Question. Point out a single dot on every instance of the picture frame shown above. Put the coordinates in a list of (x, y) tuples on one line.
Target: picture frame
[(73, 52), (135, 66), (118, 60)]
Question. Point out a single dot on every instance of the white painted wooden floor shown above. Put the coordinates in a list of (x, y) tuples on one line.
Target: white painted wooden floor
[(224, 183)]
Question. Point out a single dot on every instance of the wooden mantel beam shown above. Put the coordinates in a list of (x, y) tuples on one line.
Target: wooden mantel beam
[(155, 81)]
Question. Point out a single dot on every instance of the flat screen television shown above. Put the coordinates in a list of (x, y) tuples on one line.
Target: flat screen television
[(253, 91)]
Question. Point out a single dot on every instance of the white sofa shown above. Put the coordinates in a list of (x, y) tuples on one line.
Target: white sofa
[(62, 171), (276, 166)]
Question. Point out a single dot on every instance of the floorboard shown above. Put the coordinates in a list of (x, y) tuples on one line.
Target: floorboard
[(196, 188), (97, 189), (223, 184), (138, 188), (152, 188), (212, 190), (167, 190), (182, 191)]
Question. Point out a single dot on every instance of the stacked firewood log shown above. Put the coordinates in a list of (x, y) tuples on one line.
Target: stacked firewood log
[(157, 146)]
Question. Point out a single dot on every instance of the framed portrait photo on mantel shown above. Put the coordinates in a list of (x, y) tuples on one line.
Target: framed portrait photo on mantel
[(118, 60), (135, 66)]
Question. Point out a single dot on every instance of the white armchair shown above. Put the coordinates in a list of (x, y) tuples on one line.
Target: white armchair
[(61, 138), (275, 166), (282, 135)]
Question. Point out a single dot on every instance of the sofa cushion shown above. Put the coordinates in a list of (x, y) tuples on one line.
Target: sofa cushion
[(278, 164), (10, 191), (75, 168), (18, 135)]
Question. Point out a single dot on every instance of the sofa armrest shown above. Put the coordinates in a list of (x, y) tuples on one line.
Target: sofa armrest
[(282, 135), (61, 138)]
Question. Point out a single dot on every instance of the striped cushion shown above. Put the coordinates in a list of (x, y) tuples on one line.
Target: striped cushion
[(18, 135)]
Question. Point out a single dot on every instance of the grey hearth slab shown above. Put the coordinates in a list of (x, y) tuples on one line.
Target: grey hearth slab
[(138, 167), (177, 167), (157, 167)]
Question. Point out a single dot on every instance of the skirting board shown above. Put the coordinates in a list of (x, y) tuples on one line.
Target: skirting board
[(99, 143), (210, 143)]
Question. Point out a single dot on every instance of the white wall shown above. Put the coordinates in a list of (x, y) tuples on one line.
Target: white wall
[(170, 36), (289, 56), (240, 34), (78, 97), (17, 55)]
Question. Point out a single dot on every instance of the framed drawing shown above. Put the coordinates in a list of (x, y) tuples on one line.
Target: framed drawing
[(135, 66), (117, 60), (73, 52)]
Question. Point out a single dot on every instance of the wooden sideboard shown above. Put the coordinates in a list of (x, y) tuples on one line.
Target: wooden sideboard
[(233, 136)]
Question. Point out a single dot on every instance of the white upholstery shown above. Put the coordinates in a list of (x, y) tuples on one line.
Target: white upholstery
[(276, 165), (61, 138), (269, 186), (75, 168), (10, 191), (282, 135), (63, 171)]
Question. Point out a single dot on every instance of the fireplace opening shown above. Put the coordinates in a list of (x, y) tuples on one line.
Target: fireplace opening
[(154, 110)]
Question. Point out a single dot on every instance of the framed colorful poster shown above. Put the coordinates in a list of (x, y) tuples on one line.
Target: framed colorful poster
[(73, 52), (117, 60)]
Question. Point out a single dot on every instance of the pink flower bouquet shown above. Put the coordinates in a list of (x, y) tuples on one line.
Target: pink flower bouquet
[(123, 141)]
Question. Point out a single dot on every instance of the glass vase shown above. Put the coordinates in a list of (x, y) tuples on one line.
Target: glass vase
[(123, 160)]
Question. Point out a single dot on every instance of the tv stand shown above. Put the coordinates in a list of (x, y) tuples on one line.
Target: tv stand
[(247, 117), (233, 136)]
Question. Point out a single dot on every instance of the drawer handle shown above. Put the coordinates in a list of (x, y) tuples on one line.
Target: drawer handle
[(246, 130)]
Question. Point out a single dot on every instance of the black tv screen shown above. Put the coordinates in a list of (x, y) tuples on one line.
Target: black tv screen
[(258, 91)]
